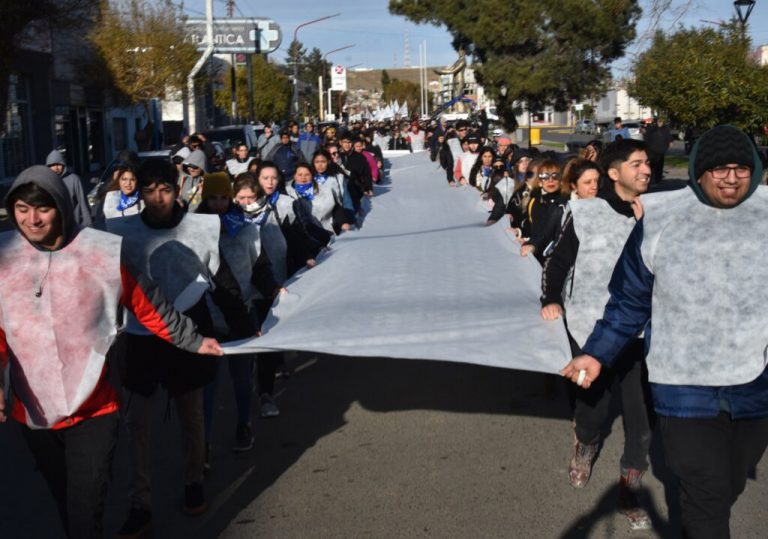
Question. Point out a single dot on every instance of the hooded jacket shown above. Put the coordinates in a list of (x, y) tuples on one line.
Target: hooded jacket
[(60, 314), (264, 145), (190, 190), (308, 144), (82, 212), (702, 304)]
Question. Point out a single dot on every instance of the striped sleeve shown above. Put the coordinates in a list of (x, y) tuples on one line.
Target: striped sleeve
[(150, 307)]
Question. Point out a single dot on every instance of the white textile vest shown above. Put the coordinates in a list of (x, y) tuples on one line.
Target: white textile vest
[(111, 199), (179, 260), (602, 233), (58, 340), (235, 167), (506, 187), (709, 295)]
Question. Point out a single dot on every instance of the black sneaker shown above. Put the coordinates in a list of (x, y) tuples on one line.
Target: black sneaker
[(268, 407), (139, 521), (243, 439), (194, 499)]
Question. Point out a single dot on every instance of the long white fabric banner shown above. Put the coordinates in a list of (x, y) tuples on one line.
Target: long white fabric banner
[(422, 279)]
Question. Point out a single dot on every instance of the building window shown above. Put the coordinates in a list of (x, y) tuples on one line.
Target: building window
[(15, 145), (96, 139), (120, 133)]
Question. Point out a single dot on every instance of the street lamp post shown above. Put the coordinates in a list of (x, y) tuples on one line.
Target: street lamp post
[(324, 59), (743, 11), (296, 59)]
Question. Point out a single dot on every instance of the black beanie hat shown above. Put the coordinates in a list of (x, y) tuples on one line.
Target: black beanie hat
[(519, 154), (722, 145)]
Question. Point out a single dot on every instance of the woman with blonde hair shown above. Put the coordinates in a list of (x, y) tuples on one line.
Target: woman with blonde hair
[(545, 209)]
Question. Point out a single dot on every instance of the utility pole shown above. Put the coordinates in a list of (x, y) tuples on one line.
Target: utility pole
[(190, 110), (232, 74), (296, 59)]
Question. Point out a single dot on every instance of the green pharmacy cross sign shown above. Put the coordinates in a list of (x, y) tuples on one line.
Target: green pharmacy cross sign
[(254, 35)]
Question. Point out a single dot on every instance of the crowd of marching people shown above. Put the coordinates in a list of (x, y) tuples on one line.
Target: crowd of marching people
[(220, 242)]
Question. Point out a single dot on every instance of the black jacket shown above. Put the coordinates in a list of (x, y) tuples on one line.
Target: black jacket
[(545, 212), (360, 179)]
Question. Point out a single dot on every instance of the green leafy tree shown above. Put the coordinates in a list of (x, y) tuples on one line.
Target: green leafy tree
[(385, 80), (314, 67), (142, 45), (533, 51), (703, 77), (272, 91), (404, 91)]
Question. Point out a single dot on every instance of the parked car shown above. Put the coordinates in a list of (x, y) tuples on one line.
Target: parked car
[(634, 127), (585, 127), (229, 135)]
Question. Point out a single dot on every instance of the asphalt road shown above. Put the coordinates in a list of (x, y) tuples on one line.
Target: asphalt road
[(384, 448)]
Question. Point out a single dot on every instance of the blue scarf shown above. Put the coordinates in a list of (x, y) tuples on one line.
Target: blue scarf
[(321, 178), (233, 220), (306, 190), (261, 218), (487, 171), (126, 201)]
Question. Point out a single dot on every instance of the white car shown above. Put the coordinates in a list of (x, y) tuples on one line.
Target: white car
[(586, 127)]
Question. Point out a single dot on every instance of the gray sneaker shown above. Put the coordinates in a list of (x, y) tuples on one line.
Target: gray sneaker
[(268, 406)]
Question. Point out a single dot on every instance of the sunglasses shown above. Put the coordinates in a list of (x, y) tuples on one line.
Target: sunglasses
[(546, 176)]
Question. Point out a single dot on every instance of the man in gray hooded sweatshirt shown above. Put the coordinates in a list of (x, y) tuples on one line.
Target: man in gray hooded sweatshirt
[(55, 161), (191, 183)]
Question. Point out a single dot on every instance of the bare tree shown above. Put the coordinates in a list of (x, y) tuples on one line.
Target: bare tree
[(142, 44)]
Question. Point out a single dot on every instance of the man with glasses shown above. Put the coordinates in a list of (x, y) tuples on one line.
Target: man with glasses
[(239, 163), (691, 272), (575, 285)]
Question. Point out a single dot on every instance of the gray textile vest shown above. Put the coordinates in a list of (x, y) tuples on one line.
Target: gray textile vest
[(241, 253), (180, 260), (602, 234), (323, 203), (709, 292), (273, 240)]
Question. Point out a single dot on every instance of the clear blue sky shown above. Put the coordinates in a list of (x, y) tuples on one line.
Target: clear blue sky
[(378, 36)]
